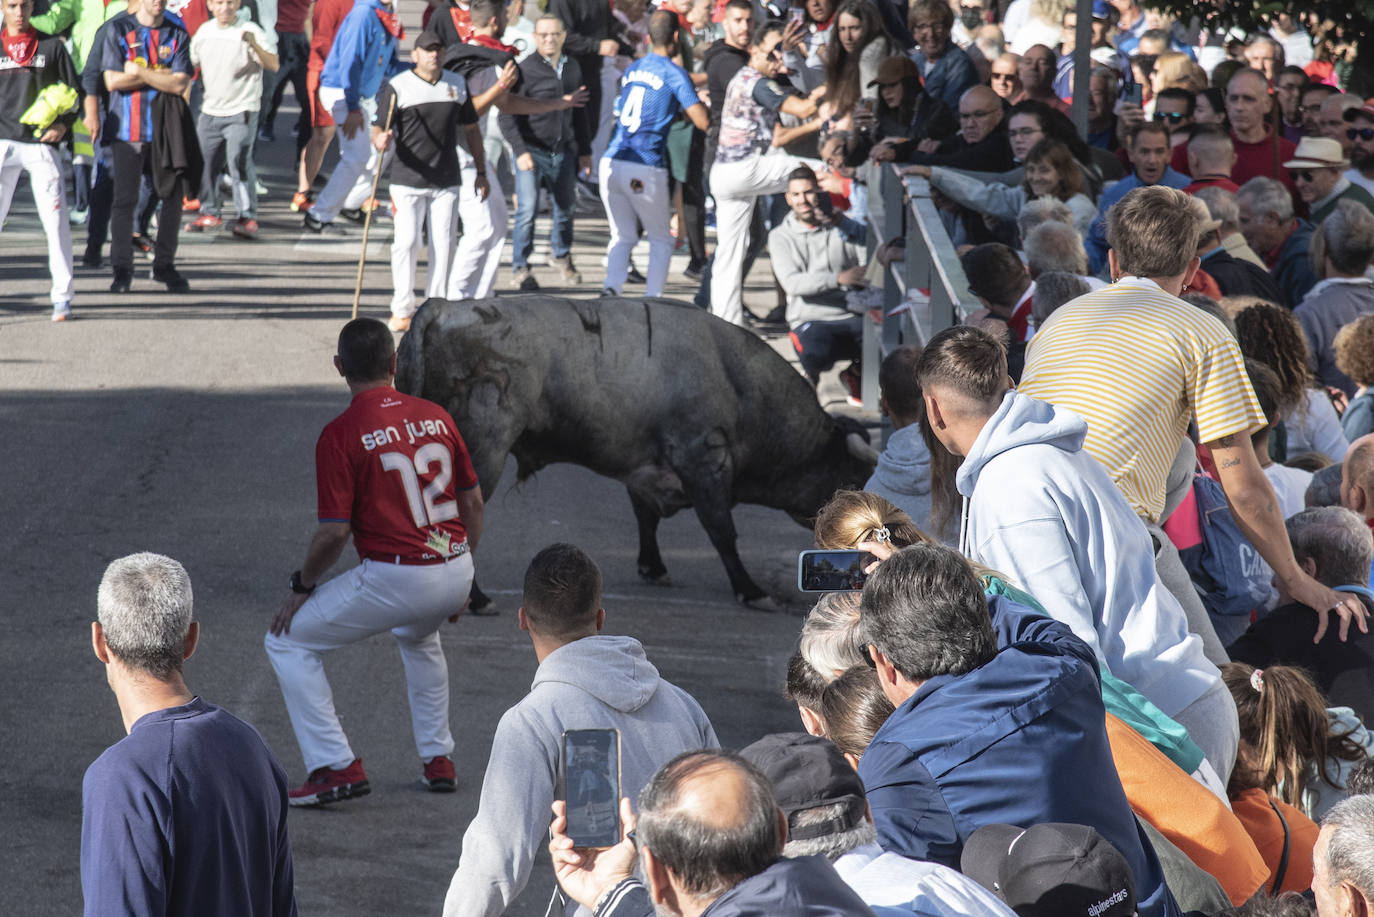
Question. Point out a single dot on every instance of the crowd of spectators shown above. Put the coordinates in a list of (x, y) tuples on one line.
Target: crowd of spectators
[(1115, 622)]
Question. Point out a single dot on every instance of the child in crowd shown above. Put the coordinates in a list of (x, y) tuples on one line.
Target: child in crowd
[(1290, 484), (1355, 358), (1300, 750)]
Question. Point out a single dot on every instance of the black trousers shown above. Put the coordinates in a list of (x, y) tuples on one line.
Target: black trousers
[(130, 161)]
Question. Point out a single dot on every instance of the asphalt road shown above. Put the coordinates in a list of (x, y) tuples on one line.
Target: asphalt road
[(186, 425)]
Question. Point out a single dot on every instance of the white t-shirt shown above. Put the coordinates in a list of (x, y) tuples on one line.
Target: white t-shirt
[(229, 70), (1290, 486)]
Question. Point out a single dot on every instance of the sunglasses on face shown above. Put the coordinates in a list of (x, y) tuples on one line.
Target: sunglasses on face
[(1303, 175), (1008, 77), (1173, 117), (1360, 133)]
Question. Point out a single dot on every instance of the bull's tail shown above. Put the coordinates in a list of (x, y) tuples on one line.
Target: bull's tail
[(410, 375)]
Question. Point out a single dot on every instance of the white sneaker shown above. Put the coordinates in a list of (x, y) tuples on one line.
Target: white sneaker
[(61, 311)]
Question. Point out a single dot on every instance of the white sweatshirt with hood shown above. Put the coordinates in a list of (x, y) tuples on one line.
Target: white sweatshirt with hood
[(1040, 509), (600, 682)]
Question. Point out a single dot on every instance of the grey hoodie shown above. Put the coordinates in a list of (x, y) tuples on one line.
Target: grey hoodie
[(594, 683), (903, 474)]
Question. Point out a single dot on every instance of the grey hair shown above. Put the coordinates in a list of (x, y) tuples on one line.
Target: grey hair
[(1052, 290), (1055, 246), (1042, 210), (552, 18), (831, 846), (1269, 40), (1221, 204), (144, 609), (1350, 852), (1211, 307), (1337, 540), (709, 859), (830, 638), (1202, 215), (1325, 486), (1103, 73), (1348, 234), (1267, 195)]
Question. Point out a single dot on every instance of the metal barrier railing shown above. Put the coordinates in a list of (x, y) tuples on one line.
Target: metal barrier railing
[(904, 208)]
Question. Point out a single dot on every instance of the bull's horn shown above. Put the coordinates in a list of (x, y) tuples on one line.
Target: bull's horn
[(860, 449)]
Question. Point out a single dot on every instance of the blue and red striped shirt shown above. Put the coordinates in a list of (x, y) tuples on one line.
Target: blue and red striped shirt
[(164, 47)]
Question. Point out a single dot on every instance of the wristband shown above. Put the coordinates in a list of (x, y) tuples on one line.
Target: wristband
[(299, 587)]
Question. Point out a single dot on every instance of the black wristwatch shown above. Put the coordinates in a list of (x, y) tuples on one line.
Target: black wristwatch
[(298, 587)]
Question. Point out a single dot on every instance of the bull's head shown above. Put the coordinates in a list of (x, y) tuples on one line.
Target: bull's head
[(845, 463)]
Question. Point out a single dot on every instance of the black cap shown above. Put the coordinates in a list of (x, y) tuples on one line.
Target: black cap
[(1051, 870), (429, 40), (808, 772)]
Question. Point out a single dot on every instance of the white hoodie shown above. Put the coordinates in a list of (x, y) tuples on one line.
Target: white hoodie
[(1046, 513), (593, 683)]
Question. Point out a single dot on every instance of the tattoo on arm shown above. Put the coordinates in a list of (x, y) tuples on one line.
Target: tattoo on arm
[(1229, 463), (1227, 442)]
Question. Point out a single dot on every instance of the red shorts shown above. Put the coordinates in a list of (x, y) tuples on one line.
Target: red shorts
[(319, 115)]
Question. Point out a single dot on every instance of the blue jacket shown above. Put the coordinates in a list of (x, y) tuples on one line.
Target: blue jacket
[(1020, 740), (1096, 243), (950, 76), (802, 887), (1292, 269), (362, 56)]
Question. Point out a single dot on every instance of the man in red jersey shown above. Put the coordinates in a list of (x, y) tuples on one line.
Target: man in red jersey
[(393, 473)]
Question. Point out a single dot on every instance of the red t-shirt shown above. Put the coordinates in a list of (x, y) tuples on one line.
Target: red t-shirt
[(324, 24), (291, 15), (391, 466)]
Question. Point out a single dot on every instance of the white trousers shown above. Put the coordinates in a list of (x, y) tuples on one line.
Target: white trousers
[(413, 207), (351, 181), (484, 235), (632, 191), (45, 177), (734, 185), (411, 602)]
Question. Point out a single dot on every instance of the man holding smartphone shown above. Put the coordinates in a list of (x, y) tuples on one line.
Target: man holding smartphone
[(585, 681)]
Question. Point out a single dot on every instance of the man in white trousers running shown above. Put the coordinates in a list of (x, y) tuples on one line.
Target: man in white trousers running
[(394, 475), (634, 171), (362, 57), (746, 166), (29, 64), (432, 105)]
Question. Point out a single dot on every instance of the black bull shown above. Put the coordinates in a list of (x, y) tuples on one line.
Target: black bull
[(682, 408)]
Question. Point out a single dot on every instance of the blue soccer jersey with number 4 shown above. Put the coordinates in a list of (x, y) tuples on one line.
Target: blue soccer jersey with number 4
[(652, 92)]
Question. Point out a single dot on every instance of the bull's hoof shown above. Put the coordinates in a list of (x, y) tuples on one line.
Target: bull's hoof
[(655, 577), (759, 603)]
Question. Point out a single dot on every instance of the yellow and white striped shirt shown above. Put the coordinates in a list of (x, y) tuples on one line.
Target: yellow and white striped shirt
[(1137, 364)]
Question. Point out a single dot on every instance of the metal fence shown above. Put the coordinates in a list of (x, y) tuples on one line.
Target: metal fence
[(925, 292)]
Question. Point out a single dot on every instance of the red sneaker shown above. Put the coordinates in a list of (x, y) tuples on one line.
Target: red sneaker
[(301, 201), (190, 204), (328, 785), (204, 223), (439, 775), (245, 228)]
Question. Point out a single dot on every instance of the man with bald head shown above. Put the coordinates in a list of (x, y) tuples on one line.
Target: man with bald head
[(981, 144), (1036, 70), (1247, 103), (709, 835)]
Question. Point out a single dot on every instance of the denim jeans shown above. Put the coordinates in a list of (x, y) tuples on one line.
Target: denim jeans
[(558, 173)]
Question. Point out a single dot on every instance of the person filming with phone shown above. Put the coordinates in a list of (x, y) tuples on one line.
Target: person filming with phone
[(595, 695)]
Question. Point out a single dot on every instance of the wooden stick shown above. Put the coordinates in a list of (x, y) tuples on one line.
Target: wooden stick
[(371, 200)]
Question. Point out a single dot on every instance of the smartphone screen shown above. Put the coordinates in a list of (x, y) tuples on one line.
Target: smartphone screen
[(1133, 94), (591, 786), (832, 571), (797, 13)]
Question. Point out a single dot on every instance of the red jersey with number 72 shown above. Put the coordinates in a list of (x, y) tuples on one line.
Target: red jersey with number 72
[(391, 466)]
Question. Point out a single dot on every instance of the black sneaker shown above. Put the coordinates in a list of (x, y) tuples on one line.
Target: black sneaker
[(91, 259), (172, 278), (694, 270), (354, 215), (142, 245), (321, 228), (123, 279), (633, 275)]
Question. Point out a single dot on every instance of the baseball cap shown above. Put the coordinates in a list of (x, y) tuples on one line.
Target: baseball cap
[(808, 772), (1051, 870), (894, 70), (429, 40), (1102, 10), (1364, 111)]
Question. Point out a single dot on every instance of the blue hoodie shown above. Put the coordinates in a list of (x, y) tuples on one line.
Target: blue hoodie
[(1019, 740), (801, 887), (1046, 513), (363, 54)]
